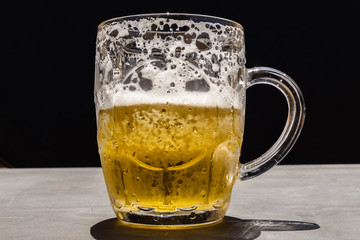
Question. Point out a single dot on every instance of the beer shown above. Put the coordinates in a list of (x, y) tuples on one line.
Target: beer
[(169, 157)]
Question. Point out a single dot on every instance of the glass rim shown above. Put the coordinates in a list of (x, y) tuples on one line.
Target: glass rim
[(168, 14)]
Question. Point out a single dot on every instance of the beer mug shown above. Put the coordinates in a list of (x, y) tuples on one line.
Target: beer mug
[(170, 105)]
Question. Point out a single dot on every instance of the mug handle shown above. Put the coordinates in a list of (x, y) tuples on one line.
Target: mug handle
[(294, 122)]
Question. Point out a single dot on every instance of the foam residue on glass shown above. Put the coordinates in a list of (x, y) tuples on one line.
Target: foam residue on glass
[(174, 61)]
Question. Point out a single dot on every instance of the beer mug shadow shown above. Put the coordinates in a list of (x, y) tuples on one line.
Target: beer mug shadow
[(228, 228)]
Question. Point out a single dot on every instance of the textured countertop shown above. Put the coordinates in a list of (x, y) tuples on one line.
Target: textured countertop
[(288, 202)]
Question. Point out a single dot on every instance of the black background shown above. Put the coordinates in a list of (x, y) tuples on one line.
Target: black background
[(47, 115)]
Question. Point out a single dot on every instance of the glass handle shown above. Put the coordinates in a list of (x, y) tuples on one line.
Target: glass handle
[(294, 121)]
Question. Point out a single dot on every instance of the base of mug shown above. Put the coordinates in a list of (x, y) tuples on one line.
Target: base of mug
[(179, 219)]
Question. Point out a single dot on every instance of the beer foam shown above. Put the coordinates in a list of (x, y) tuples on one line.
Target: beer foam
[(191, 99), (156, 59)]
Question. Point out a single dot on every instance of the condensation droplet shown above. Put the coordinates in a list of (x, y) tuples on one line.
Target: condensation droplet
[(119, 215), (192, 208), (203, 193), (219, 204), (117, 205), (146, 209)]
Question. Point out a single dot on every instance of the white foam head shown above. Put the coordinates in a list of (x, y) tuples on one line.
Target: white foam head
[(144, 60)]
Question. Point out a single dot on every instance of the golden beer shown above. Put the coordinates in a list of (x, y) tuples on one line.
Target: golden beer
[(169, 158)]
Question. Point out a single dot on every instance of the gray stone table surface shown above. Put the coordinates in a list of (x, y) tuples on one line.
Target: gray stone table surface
[(72, 203)]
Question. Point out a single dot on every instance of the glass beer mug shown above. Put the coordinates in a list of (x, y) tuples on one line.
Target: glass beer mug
[(170, 104)]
